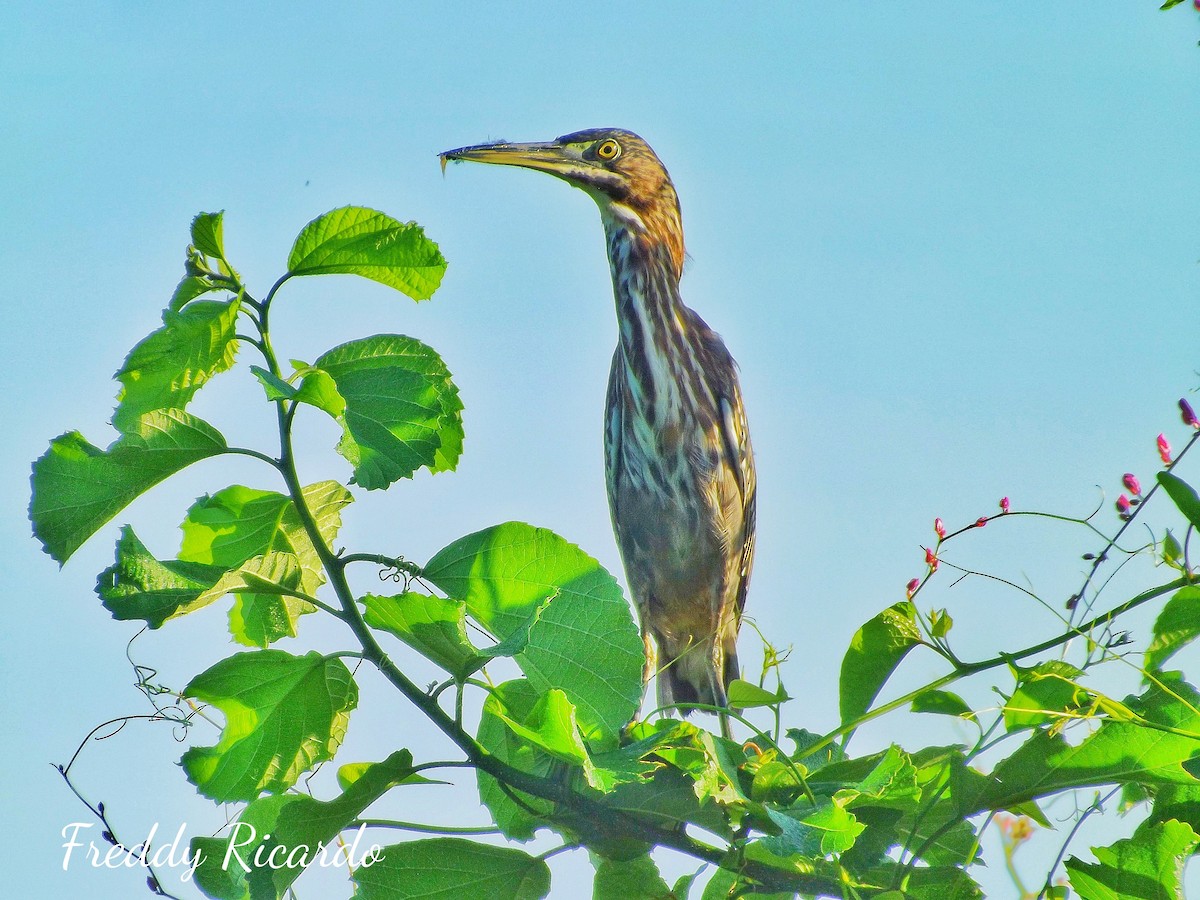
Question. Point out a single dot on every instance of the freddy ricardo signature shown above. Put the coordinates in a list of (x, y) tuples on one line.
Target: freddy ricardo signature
[(246, 850)]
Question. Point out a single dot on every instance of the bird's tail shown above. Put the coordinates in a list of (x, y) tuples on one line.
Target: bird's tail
[(697, 673)]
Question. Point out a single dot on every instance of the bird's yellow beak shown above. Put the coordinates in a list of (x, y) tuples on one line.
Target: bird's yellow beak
[(550, 156)]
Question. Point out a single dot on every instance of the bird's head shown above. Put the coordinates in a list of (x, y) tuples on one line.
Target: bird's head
[(615, 167)]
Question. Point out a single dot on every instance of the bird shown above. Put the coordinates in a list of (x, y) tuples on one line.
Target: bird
[(679, 466)]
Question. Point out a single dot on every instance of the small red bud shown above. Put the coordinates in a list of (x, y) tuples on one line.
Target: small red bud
[(1164, 450), (912, 587), (939, 528), (1131, 483), (1123, 505), (931, 560), (1185, 409), (1003, 504), (981, 521)]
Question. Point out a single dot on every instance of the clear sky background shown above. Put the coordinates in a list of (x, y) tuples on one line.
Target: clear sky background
[(953, 247)]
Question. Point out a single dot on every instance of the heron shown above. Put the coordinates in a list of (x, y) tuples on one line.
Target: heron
[(679, 466)]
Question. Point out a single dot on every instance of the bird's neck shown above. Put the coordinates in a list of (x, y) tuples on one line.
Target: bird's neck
[(652, 320)]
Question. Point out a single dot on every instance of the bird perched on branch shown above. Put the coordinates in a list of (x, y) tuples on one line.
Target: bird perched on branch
[(679, 466)]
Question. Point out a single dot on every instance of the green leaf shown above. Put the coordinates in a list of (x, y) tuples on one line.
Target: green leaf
[(512, 700), (1176, 626), (208, 234), (875, 651), (318, 389), (277, 836), (1170, 4), (274, 386), (138, 586), (240, 523), (358, 241), (584, 641), (1148, 865), (267, 742), (166, 369), (397, 406), (1117, 752), (827, 829), (449, 869), (746, 694), (191, 287), (433, 626), (1043, 694), (1183, 494), (632, 879), (78, 487), (1172, 550), (944, 703)]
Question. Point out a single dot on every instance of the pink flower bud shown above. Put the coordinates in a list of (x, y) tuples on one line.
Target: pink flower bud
[(1123, 505), (1131, 483), (931, 560), (1164, 450), (1188, 414), (1003, 504), (912, 587), (981, 521), (939, 528)]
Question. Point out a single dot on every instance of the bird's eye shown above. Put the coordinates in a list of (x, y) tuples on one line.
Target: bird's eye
[(609, 149)]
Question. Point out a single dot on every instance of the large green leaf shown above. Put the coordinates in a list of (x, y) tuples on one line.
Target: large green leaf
[(78, 487), (358, 241), (284, 714), (584, 640), (397, 406), (1148, 866), (166, 369), (277, 836), (238, 524), (138, 586), (452, 869), (1183, 494), (1118, 751), (875, 651), (632, 879), (1176, 626)]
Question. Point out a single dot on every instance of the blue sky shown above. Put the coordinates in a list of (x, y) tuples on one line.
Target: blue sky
[(953, 248)]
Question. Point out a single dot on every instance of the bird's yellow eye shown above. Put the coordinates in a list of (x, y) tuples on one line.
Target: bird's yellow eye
[(608, 149)]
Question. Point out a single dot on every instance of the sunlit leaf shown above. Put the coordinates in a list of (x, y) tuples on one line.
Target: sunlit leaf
[(397, 406), (78, 487), (1176, 626), (875, 651), (452, 868), (240, 523), (365, 242), (265, 745), (1148, 865), (208, 234), (945, 703), (138, 586), (166, 369), (584, 640), (746, 694), (1043, 694), (433, 626)]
